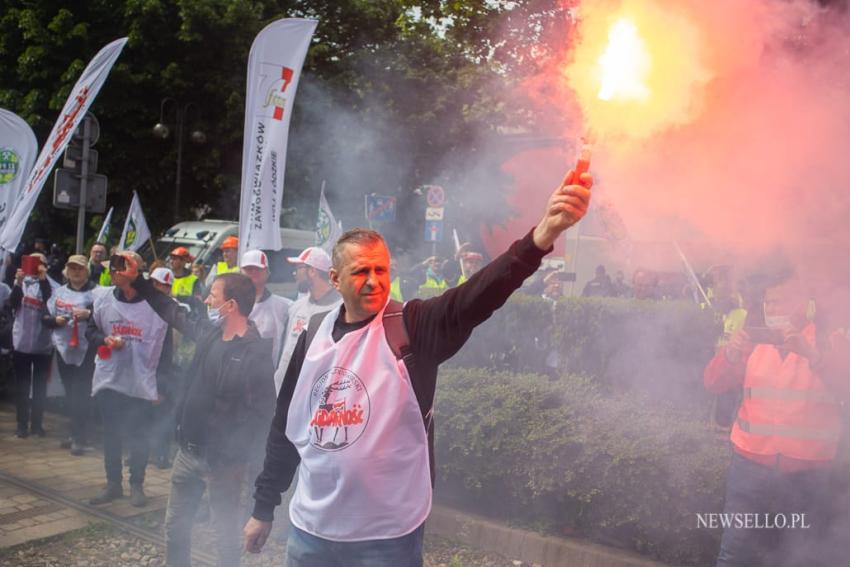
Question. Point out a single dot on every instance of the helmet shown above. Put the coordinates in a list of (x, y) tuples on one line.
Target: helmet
[(181, 252), (230, 242)]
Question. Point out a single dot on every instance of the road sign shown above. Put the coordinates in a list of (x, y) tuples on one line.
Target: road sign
[(436, 196), (435, 213), (74, 159), (94, 130), (66, 191), (433, 231), (380, 208)]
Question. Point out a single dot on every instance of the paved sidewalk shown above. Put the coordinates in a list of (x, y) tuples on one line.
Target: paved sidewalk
[(24, 516)]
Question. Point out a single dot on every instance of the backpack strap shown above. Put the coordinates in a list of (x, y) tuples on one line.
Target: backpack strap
[(313, 327), (396, 333)]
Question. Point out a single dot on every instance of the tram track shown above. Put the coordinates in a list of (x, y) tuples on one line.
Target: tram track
[(198, 557)]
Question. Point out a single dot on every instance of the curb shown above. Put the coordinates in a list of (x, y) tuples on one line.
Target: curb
[(530, 547)]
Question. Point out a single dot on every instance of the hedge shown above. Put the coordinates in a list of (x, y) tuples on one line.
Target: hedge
[(659, 348), (565, 456)]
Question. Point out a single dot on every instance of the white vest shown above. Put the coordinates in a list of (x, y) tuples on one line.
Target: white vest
[(300, 314), (62, 303), (29, 335), (355, 421), (130, 370), (270, 318)]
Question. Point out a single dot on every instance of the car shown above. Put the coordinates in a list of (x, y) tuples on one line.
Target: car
[(203, 239)]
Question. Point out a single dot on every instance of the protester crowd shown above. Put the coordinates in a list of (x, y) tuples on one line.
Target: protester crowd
[(184, 371)]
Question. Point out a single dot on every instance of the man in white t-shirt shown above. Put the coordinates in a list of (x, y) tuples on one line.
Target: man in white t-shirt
[(315, 296), (270, 311)]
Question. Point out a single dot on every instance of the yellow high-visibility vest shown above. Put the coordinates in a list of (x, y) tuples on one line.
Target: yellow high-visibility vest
[(184, 286)]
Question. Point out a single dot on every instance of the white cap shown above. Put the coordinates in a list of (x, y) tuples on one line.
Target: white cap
[(314, 257), (163, 276), (256, 258)]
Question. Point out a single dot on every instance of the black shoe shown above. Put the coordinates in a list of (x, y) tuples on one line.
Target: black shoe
[(65, 443), (39, 432), (112, 492), (77, 449), (21, 433), (137, 496)]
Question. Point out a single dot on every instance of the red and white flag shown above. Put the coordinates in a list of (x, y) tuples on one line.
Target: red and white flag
[(72, 114), (274, 68)]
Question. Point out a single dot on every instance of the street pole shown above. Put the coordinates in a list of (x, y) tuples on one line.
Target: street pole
[(181, 114), (84, 172)]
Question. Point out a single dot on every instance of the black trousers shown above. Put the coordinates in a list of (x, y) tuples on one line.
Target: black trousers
[(164, 426), (31, 370), (124, 418), (77, 383)]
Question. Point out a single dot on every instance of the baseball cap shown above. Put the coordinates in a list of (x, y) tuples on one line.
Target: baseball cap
[(230, 242), (314, 257), (163, 276), (256, 258), (78, 259)]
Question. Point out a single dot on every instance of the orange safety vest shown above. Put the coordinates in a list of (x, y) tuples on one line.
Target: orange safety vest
[(787, 409)]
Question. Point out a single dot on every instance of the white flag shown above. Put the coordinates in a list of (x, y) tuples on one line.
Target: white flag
[(328, 230), (103, 235), (136, 231), (72, 114), (18, 149), (274, 68)]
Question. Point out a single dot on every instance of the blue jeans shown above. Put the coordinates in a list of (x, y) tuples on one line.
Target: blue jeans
[(306, 550), (755, 488)]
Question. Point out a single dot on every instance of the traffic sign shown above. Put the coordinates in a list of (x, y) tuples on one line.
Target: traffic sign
[(436, 196), (380, 208), (66, 191), (435, 213), (74, 159), (433, 231), (94, 130)]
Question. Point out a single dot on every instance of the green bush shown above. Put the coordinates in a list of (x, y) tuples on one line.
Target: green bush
[(566, 456), (658, 348)]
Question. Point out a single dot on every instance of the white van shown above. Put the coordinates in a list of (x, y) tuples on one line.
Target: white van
[(203, 240)]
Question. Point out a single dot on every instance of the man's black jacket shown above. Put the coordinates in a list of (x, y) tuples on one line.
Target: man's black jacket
[(242, 399)]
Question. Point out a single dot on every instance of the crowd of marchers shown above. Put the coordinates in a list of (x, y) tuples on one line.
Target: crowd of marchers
[(196, 372)]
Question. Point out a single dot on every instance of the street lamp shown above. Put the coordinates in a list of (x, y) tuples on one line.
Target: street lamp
[(162, 131)]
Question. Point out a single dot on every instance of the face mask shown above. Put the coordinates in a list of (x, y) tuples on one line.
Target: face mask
[(778, 322), (214, 314)]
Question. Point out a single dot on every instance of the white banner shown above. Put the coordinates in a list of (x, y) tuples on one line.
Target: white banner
[(274, 68), (103, 235), (136, 231), (18, 149), (72, 114), (328, 230)]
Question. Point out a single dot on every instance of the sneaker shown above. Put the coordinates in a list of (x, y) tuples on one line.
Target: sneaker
[(21, 433), (77, 449), (111, 492), (137, 496), (65, 443)]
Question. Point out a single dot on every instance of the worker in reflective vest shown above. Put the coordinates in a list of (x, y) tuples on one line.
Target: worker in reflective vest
[(786, 433), (186, 286), (229, 257)]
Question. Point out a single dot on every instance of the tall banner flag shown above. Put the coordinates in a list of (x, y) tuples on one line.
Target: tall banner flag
[(328, 230), (136, 231), (72, 114), (103, 235), (274, 68), (18, 149)]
